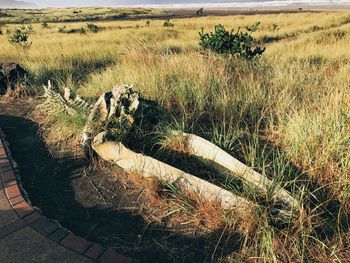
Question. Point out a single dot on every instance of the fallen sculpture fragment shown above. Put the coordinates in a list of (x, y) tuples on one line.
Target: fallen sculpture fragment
[(147, 166), (117, 111), (227, 165)]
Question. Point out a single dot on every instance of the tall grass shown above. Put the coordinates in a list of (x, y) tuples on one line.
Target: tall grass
[(286, 115)]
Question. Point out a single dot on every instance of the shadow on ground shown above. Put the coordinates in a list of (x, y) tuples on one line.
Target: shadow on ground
[(87, 201), (94, 205)]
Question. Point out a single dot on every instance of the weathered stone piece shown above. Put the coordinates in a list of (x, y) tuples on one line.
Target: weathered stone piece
[(146, 166), (117, 111), (226, 165)]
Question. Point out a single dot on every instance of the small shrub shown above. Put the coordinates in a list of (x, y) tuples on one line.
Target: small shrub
[(62, 29), (148, 23), (274, 27), (19, 37), (168, 23), (94, 28), (45, 25), (80, 30), (30, 28), (226, 42), (254, 27), (77, 30)]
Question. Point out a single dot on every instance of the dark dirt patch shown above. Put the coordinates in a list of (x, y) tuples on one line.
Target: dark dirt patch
[(95, 202)]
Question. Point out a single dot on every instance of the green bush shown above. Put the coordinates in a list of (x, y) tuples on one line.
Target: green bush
[(62, 29), (226, 42), (45, 25), (167, 23), (19, 37), (254, 27), (94, 28), (274, 27), (80, 30)]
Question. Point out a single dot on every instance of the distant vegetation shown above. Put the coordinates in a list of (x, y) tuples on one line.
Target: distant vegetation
[(20, 37), (227, 42), (72, 14), (168, 23)]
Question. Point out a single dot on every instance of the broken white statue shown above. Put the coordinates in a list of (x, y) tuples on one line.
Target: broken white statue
[(216, 158), (146, 166), (118, 108)]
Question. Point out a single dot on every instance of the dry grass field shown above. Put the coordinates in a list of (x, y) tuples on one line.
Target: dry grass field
[(286, 114)]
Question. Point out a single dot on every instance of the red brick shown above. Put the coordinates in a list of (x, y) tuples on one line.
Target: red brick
[(76, 243), (10, 183), (23, 209), (59, 235), (8, 176), (32, 218), (112, 256), (4, 160), (2, 151), (13, 227), (4, 163), (12, 191), (44, 226), (95, 251), (16, 200)]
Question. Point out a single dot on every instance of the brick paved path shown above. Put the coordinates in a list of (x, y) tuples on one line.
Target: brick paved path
[(27, 236)]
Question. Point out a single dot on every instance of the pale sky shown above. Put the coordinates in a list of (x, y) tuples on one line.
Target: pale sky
[(56, 3), (44, 3), (111, 2)]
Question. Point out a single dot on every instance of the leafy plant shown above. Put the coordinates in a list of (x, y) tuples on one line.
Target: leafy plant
[(168, 23), (30, 28), (254, 27), (227, 42), (19, 37), (94, 28), (274, 27), (80, 30), (45, 25), (61, 29)]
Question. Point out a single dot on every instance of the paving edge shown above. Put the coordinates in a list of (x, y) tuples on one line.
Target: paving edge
[(31, 216)]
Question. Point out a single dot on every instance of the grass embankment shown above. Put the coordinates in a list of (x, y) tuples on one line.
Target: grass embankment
[(286, 115), (20, 16)]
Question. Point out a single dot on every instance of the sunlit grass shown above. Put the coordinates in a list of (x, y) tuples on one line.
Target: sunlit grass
[(286, 115)]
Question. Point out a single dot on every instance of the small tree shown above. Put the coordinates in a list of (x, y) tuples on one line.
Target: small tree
[(167, 23), (227, 42), (94, 28), (254, 27), (20, 37), (30, 28), (45, 25), (274, 27)]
